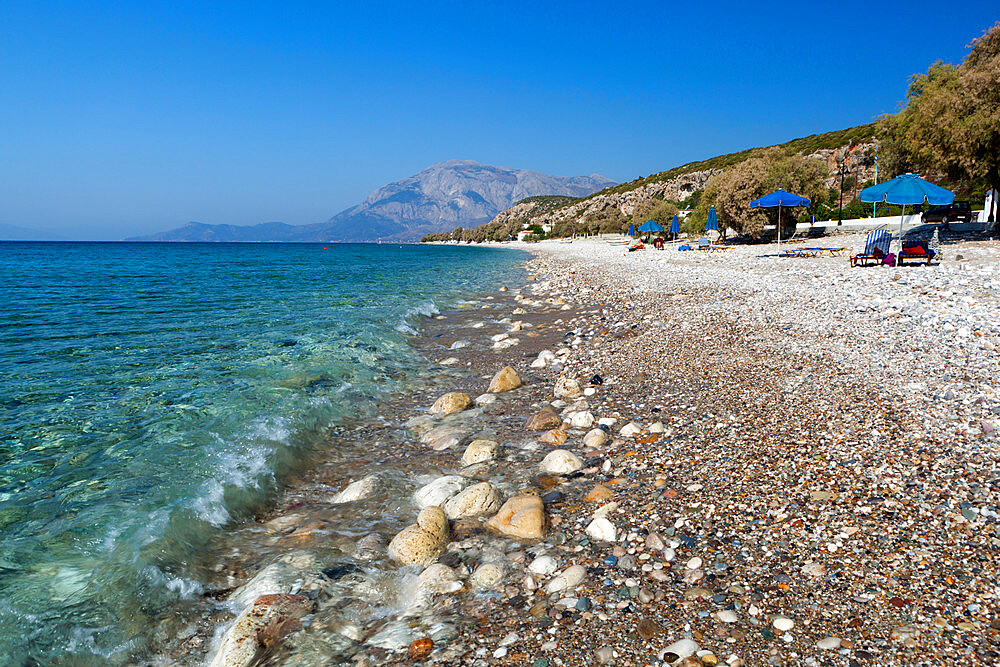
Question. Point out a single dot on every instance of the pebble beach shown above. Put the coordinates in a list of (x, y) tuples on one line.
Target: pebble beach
[(656, 458)]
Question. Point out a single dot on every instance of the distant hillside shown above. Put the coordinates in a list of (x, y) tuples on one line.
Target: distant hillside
[(854, 146), (456, 193)]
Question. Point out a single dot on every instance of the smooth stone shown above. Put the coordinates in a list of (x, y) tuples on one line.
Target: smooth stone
[(453, 401), (543, 421), (423, 541), (260, 625), (487, 576), (485, 399), (629, 430), (567, 388), (394, 636), (580, 419), (783, 623), (567, 580), (505, 380), (560, 462), (477, 500), (727, 616), (694, 563), (682, 648), (603, 530), (358, 490), (599, 494), (656, 427), (604, 655), (828, 643), (521, 516), (543, 565), (479, 451), (439, 491), (595, 438), (443, 437), (439, 578), (554, 437)]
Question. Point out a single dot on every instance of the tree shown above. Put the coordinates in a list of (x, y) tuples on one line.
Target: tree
[(951, 122), (732, 190), (660, 210)]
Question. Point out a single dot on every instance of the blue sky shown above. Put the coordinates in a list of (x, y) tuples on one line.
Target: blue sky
[(123, 118)]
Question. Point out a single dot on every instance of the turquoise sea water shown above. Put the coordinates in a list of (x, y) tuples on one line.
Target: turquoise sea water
[(151, 394)]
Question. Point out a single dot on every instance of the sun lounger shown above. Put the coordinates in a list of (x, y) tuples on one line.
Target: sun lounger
[(916, 251), (703, 244), (876, 250), (814, 252)]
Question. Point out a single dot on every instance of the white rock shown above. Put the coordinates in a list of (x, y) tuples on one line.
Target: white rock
[(567, 580), (727, 616), (629, 430), (656, 427), (439, 578), (682, 648), (486, 399), (595, 438), (544, 565), (561, 462), (487, 576), (694, 563), (828, 643), (602, 530), (362, 488), (567, 388), (783, 623), (439, 491), (580, 419)]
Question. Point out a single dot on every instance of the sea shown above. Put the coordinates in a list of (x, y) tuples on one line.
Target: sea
[(153, 396)]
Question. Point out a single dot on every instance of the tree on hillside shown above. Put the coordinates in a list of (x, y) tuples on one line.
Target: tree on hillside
[(660, 210), (732, 190), (951, 122)]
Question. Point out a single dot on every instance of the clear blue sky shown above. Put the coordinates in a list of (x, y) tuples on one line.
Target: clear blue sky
[(128, 117)]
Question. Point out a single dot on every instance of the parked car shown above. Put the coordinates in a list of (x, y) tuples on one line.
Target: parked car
[(959, 211)]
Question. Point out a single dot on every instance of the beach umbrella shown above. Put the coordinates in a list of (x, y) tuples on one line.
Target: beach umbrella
[(631, 229), (712, 224), (779, 199), (650, 226), (907, 189), (675, 226)]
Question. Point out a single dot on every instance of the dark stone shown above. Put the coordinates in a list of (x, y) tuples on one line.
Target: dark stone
[(597, 380), (552, 497), (340, 570)]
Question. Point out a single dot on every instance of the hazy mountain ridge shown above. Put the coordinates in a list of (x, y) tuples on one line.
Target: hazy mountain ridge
[(455, 193)]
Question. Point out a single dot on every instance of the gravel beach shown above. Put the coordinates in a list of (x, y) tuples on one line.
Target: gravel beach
[(693, 459)]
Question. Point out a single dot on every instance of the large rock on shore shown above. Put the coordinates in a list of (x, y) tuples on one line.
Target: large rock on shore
[(478, 500), (479, 451), (422, 541), (260, 625), (522, 516), (453, 401), (505, 380)]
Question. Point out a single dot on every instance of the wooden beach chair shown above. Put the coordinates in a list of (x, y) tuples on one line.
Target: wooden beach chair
[(876, 249), (917, 251)]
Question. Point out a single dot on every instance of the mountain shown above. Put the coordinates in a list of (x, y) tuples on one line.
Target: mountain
[(455, 193)]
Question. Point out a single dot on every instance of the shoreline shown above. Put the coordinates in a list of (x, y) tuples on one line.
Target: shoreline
[(771, 499)]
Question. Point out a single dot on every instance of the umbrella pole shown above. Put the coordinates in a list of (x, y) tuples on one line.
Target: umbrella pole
[(779, 225), (901, 216)]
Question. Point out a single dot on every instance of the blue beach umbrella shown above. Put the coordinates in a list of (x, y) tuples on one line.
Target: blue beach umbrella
[(907, 189), (712, 224), (650, 226), (779, 199), (675, 226), (631, 229)]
